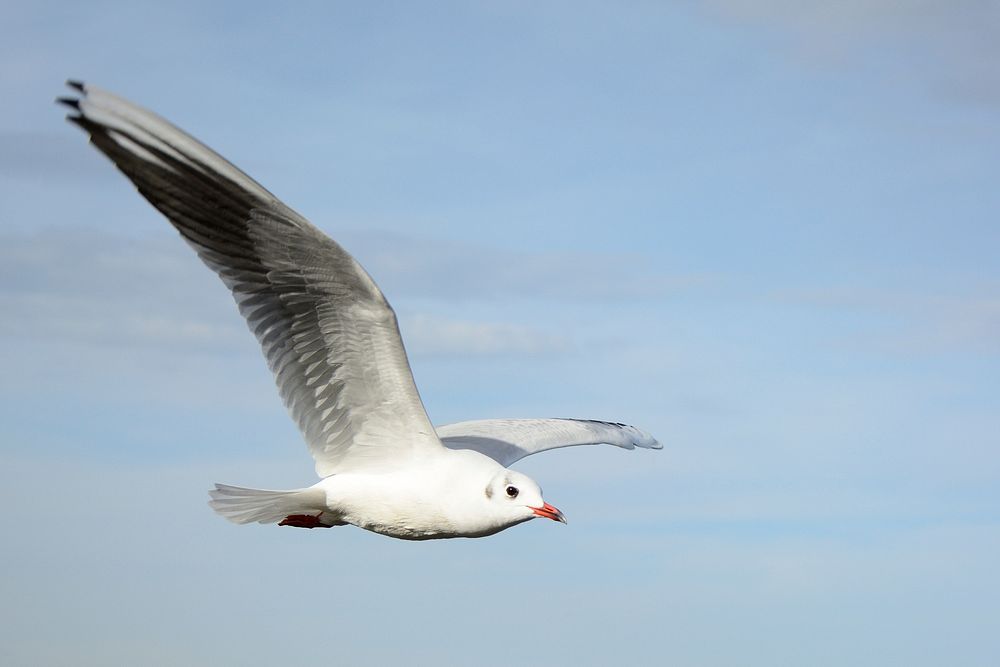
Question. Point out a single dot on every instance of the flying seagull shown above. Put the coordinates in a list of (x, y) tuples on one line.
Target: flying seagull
[(332, 342)]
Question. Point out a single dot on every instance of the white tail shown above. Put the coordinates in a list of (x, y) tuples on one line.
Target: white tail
[(241, 505)]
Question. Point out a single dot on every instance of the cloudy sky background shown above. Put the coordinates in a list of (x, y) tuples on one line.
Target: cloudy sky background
[(765, 231)]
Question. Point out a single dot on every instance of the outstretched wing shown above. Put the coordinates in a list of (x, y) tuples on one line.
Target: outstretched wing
[(328, 334), (508, 440)]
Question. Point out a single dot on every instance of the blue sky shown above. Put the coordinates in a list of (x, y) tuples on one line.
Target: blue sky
[(764, 231)]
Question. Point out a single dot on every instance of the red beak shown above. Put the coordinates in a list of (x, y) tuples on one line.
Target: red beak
[(549, 512)]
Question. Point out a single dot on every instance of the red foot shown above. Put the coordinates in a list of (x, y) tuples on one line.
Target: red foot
[(303, 521)]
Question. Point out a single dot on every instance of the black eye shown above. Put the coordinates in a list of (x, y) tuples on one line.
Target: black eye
[(512, 491)]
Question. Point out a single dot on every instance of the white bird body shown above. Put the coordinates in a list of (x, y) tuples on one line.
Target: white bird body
[(442, 497), (452, 493), (332, 341)]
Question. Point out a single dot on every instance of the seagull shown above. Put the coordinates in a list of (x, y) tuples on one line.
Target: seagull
[(332, 342)]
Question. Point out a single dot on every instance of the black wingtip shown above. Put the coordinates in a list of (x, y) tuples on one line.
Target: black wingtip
[(79, 122), (73, 102)]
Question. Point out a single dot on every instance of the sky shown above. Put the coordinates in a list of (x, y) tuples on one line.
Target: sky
[(764, 231)]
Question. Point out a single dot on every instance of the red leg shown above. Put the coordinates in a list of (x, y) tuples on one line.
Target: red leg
[(303, 521)]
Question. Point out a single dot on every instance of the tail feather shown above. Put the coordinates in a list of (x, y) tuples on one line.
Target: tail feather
[(242, 505)]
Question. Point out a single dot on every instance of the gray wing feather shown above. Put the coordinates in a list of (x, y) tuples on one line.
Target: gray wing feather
[(508, 440), (327, 332)]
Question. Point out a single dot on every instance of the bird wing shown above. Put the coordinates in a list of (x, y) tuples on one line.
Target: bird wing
[(508, 440), (327, 332)]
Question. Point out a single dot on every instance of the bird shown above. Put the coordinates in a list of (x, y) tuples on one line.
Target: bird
[(332, 341)]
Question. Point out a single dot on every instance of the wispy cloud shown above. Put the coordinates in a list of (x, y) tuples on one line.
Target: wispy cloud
[(100, 288), (951, 44), (421, 266), (97, 288), (44, 157), (915, 323), (431, 335), (70, 319)]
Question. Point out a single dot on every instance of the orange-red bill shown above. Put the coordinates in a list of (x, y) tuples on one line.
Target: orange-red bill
[(549, 512)]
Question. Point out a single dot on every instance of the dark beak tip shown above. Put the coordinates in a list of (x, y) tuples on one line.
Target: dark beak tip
[(549, 512)]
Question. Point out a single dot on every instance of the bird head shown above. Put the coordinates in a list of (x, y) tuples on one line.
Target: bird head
[(518, 497)]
